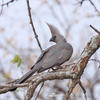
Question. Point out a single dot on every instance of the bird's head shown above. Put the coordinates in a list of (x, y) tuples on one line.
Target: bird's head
[(56, 36)]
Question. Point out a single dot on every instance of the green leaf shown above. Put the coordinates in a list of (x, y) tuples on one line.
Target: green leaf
[(6, 76), (17, 60)]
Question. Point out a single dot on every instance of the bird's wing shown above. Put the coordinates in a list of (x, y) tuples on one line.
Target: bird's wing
[(56, 57), (41, 56)]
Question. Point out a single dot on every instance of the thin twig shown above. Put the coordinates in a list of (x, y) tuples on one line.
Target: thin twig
[(84, 91), (7, 3), (95, 60), (31, 22), (93, 6), (1, 8), (73, 85), (39, 91), (36, 36), (17, 96), (81, 2), (95, 29)]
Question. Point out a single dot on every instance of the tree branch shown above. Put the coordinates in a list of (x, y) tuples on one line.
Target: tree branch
[(7, 3), (81, 2), (33, 28), (44, 77), (93, 6), (78, 68), (31, 22), (73, 71), (95, 29), (5, 88)]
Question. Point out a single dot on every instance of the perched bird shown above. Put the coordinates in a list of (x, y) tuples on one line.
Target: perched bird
[(51, 57)]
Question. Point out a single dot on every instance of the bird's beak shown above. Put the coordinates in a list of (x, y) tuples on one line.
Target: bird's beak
[(51, 39)]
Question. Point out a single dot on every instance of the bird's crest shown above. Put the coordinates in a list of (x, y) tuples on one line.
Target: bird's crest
[(56, 36)]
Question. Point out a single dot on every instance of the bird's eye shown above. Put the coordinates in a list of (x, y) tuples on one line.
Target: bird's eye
[(54, 37)]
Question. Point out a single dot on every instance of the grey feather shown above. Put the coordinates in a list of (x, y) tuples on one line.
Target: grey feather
[(40, 57), (53, 56)]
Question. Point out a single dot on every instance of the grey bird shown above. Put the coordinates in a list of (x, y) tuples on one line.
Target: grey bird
[(51, 57)]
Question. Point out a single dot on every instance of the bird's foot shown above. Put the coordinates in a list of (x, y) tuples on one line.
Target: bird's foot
[(56, 68)]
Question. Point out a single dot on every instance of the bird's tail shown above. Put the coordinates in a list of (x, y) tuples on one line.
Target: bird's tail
[(24, 78)]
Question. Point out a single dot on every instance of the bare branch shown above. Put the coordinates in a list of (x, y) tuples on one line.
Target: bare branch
[(84, 91), (33, 28), (79, 67), (95, 60), (75, 72), (44, 77), (7, 3), (1, 8), (39, 91), (73, 85), (31, 22), (12, 85), (95, 29), (93, 6), (81, 2), (5, 88)]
